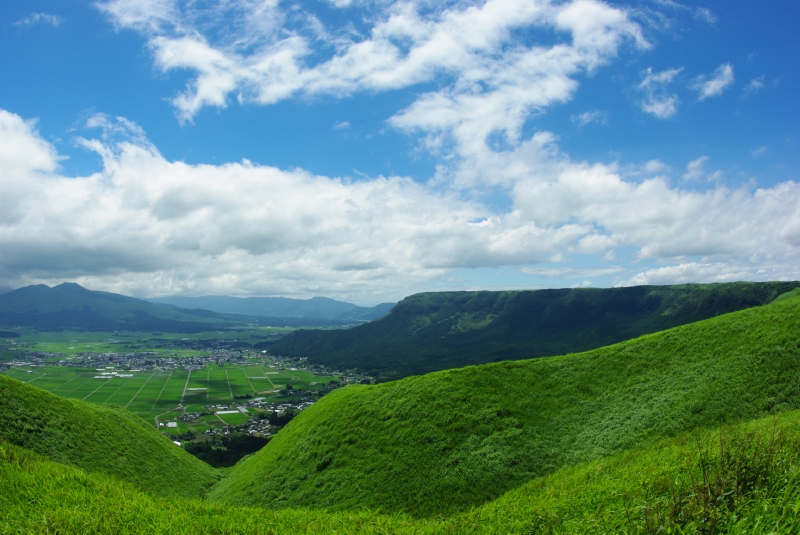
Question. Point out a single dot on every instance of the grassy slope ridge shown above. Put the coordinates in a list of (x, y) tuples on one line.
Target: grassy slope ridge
[(451, 440), (69, 305), (436, 331), (741, 479), (98, 438)]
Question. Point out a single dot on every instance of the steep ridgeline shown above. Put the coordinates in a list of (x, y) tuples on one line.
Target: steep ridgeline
[(451, 440), (71, 306), (436, 331), (99, 438)]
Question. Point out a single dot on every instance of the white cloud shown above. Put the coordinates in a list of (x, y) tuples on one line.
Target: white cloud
[(24, 158), (658, 101), (755, 85), (759, 151), (711, 87), (40, 18), (341, 125), (146, 225), (694, 169), (592, 116), (572, 273), (704, 14), (460, 46), (655, 166), (695, 272)]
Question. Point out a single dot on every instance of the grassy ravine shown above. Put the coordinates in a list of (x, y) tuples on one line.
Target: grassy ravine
[(452, 440), (740, 479), (99, 438), (441, 330)]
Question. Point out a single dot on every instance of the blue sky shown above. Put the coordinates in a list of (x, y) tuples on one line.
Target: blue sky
[(368, 150)]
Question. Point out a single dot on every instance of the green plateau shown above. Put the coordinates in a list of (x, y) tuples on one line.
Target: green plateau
[(436, 331)]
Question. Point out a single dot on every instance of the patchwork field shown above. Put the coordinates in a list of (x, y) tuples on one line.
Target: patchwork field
[(157, 395), (179, 344)]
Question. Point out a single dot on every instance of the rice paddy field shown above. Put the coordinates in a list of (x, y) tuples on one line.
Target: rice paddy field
[(162, 395), (170, 344)]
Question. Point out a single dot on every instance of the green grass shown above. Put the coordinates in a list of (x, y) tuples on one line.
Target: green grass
[(742, 479), (448, 441), (235, 419), (97, 438)]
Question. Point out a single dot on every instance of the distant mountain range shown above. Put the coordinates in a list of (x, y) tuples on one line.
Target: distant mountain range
[(436, 331), (71, 306), (283, 307)]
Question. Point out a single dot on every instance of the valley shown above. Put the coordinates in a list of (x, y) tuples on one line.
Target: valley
[(467, 267), (617, 438)]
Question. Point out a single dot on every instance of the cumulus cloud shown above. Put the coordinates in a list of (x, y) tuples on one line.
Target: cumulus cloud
[(658, 101), (716, 84), (694, 169), (39, 18), (238, 228), (244, 229), (706, 272), (463, 46)]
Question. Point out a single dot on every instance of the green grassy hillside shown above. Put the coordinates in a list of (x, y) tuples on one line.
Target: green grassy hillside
[(452, 440), (741, 479), (98, 438), (436, 331)]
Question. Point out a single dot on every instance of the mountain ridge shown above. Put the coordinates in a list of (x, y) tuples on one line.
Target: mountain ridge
[(435, 331), (315, 307), (72, 307)]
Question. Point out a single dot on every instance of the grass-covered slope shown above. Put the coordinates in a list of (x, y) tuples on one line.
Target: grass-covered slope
[(436, 331), (98, 438), (742, 479), (450, 440)]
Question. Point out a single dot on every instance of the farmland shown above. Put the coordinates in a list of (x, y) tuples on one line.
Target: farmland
[(158, 395), (175, 344)]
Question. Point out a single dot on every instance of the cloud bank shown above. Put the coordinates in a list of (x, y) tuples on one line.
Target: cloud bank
[(170, 227), (145, 225)]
